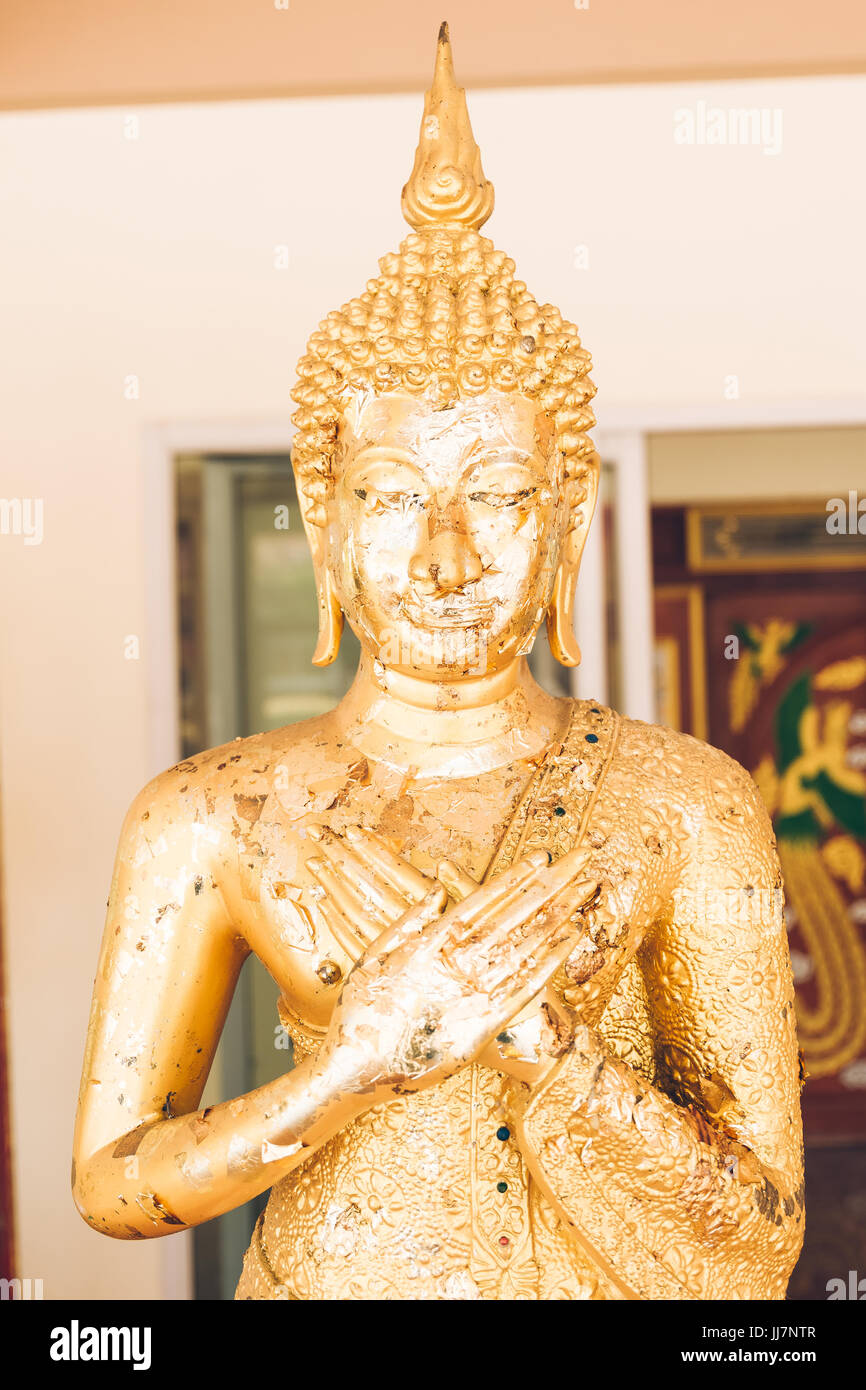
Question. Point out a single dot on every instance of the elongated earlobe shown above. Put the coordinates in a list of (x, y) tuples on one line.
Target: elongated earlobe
[(560, 612), (560, 618), (330, 622)]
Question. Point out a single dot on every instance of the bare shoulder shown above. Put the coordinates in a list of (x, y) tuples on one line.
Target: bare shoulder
[(213, 789)]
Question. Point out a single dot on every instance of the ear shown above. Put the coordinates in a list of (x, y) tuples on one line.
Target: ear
[(330, 620), (583, 487), (315, 519)]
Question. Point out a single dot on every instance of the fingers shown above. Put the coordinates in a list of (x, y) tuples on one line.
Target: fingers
[(494, 957), (459, 924), (344, 909), (459, 884), (534, 870), (414, 922), (394, 871), (531, 978), (323, 913), (373, 895), (485, 904), (344, 926), (525, 898)]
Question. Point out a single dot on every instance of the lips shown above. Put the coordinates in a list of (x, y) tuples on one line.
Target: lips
[(446, 614)]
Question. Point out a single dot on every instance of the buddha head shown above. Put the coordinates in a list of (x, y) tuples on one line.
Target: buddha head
[(444, 470)]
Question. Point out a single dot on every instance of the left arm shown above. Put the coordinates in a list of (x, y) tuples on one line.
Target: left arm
[(692, 1187)]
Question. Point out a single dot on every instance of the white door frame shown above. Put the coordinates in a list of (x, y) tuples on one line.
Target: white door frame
[(160, 446), (624, 454)]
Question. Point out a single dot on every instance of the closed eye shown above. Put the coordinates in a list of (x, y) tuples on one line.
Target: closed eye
[(389, 501), (503, 499)]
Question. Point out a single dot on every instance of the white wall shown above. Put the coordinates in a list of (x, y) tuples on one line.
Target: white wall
[(155, 257), (756, 465)]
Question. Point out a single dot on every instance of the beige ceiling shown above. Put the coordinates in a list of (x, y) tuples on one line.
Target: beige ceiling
[(92, 52)]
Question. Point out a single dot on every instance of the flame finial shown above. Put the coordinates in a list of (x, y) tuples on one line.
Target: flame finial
[(447, 186)]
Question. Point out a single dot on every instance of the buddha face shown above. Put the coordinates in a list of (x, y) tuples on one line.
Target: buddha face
[(445, 529)]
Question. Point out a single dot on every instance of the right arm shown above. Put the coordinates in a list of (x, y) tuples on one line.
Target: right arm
[(424, 1000), (147, 1161)]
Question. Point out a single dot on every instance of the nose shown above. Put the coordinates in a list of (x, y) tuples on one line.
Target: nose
[(444, 562)]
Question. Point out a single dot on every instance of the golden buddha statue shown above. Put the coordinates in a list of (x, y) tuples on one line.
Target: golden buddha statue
[(531, 954)]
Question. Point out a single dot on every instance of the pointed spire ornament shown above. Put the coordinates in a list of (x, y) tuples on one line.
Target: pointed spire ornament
[(447, 187)]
